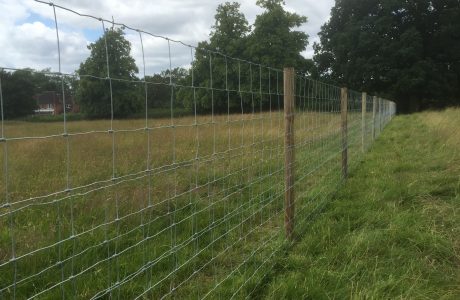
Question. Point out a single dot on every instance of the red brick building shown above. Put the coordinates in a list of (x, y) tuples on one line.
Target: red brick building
[(50, 102)]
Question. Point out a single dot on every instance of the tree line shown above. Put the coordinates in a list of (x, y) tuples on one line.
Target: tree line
[(404, 50), (272, 40), (408, 51), (19, 87)]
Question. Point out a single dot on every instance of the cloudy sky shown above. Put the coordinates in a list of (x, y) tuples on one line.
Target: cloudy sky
[(28, 35)]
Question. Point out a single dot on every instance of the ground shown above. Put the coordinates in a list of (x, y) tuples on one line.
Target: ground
[(208, 220), (392, 231)]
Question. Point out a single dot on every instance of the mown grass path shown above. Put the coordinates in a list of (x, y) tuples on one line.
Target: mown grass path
[(393, 229)]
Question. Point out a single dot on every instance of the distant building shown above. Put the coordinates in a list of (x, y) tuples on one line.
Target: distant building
[(50, 103)]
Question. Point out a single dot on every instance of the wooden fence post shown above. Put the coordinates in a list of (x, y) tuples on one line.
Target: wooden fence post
[(374, 111), (384, 112), (289, 155), (380, 115), (363, 121), (344, 111)]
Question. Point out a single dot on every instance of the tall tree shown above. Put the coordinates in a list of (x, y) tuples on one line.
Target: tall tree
[(230, 30), (274, 41), (93, 91), (212, 70), (405, 50)]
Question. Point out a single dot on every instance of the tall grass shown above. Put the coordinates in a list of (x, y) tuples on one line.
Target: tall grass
[(191, 208), (392, 231)]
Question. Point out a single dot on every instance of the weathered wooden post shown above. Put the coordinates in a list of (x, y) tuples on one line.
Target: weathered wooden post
[(380, 115), (363, 121), (374, 111), (344, 111), (289, 155)]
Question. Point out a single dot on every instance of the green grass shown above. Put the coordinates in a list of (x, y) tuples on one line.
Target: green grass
[(187, 228), (204, 220), (53, 118), (392, 231)]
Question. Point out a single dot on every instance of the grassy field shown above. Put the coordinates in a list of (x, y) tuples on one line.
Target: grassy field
[(392, 231), (187, 209)]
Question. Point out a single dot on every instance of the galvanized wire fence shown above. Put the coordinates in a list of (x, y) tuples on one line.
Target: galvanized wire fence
[(185, 206)]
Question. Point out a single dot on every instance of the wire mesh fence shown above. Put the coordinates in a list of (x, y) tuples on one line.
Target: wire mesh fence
[(188, 205)]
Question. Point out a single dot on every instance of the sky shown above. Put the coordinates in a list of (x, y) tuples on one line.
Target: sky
[(28, 32)]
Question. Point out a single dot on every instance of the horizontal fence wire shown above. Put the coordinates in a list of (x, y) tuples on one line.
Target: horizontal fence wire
[(178, 206)]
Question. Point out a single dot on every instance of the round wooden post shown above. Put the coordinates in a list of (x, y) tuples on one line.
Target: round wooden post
[(344, 113), (363, 121), (289, 155), (380, 115), (374, 111)]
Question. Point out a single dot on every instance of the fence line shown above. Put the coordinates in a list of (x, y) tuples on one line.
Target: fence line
[(179, 206)]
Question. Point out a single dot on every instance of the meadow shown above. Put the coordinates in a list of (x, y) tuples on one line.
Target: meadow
[(187, 207), (392, 231)]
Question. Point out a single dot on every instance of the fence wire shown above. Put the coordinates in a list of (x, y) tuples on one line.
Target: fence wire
[(185, 206)]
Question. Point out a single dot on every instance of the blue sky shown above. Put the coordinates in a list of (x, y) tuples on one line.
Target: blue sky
[(29, 39), (91, 34), (33, 17)]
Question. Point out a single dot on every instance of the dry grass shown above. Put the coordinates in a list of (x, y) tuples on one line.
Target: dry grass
[(214, 190)]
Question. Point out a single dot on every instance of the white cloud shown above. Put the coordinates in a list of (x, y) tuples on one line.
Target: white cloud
[(28, 36), (35, 45)]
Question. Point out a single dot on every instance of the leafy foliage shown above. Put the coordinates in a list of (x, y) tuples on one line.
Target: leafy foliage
[(20, 87), (93, 91), (18, 91), (210, 70), (45, 81), (272, 42), (405, 50), (159, 90)]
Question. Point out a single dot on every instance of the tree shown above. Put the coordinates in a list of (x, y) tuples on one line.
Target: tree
[(229, 37), (18, 91), (159, 87), (274, 42), (93, 90), (236, 84), (44, 80), (405, 50)]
